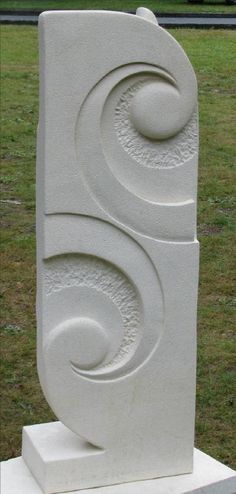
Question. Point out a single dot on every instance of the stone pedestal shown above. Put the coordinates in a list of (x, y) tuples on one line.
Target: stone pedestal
[(209, 477)]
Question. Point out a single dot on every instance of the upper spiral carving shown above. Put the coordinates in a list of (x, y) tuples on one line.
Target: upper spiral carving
[(154, 120), (144, 129)]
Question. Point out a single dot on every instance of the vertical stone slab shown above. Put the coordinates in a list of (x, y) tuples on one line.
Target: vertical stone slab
[(117, 250)]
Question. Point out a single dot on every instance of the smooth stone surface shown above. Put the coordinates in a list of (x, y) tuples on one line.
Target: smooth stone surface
[(209, 477), (156, 109), (146, 14), (82, 331)]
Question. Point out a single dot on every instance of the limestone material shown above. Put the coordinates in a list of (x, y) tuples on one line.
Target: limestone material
[(117, 251), (209, 477)]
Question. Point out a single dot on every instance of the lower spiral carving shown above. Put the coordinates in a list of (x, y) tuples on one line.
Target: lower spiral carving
[(91, 276), (91, 299), (103, 315)]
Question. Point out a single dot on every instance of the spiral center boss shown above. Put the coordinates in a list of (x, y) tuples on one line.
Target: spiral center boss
[(155, 110)]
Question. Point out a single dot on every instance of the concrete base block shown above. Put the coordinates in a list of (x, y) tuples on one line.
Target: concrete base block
[(209, 477)]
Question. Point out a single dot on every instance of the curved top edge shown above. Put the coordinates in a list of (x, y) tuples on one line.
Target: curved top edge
[(142, 13)]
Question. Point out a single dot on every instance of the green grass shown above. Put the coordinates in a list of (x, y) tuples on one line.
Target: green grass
[(160, 5), (212, 54)]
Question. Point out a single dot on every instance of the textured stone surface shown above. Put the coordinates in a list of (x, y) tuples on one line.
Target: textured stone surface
[(153, 153), (117, 250), (87, 272)]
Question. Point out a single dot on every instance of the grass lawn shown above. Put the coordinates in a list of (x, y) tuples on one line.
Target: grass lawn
[(159, 6), (212, 54)]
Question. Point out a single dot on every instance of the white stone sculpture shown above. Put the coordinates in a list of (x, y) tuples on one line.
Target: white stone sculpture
[(117, 253)]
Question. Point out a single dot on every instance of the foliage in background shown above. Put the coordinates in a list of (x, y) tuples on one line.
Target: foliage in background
[(159, 5), (212, 54)]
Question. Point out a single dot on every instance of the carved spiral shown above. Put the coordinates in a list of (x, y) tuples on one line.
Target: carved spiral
[(102, 321), (106, 330), (153, 126), (142, 123)]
